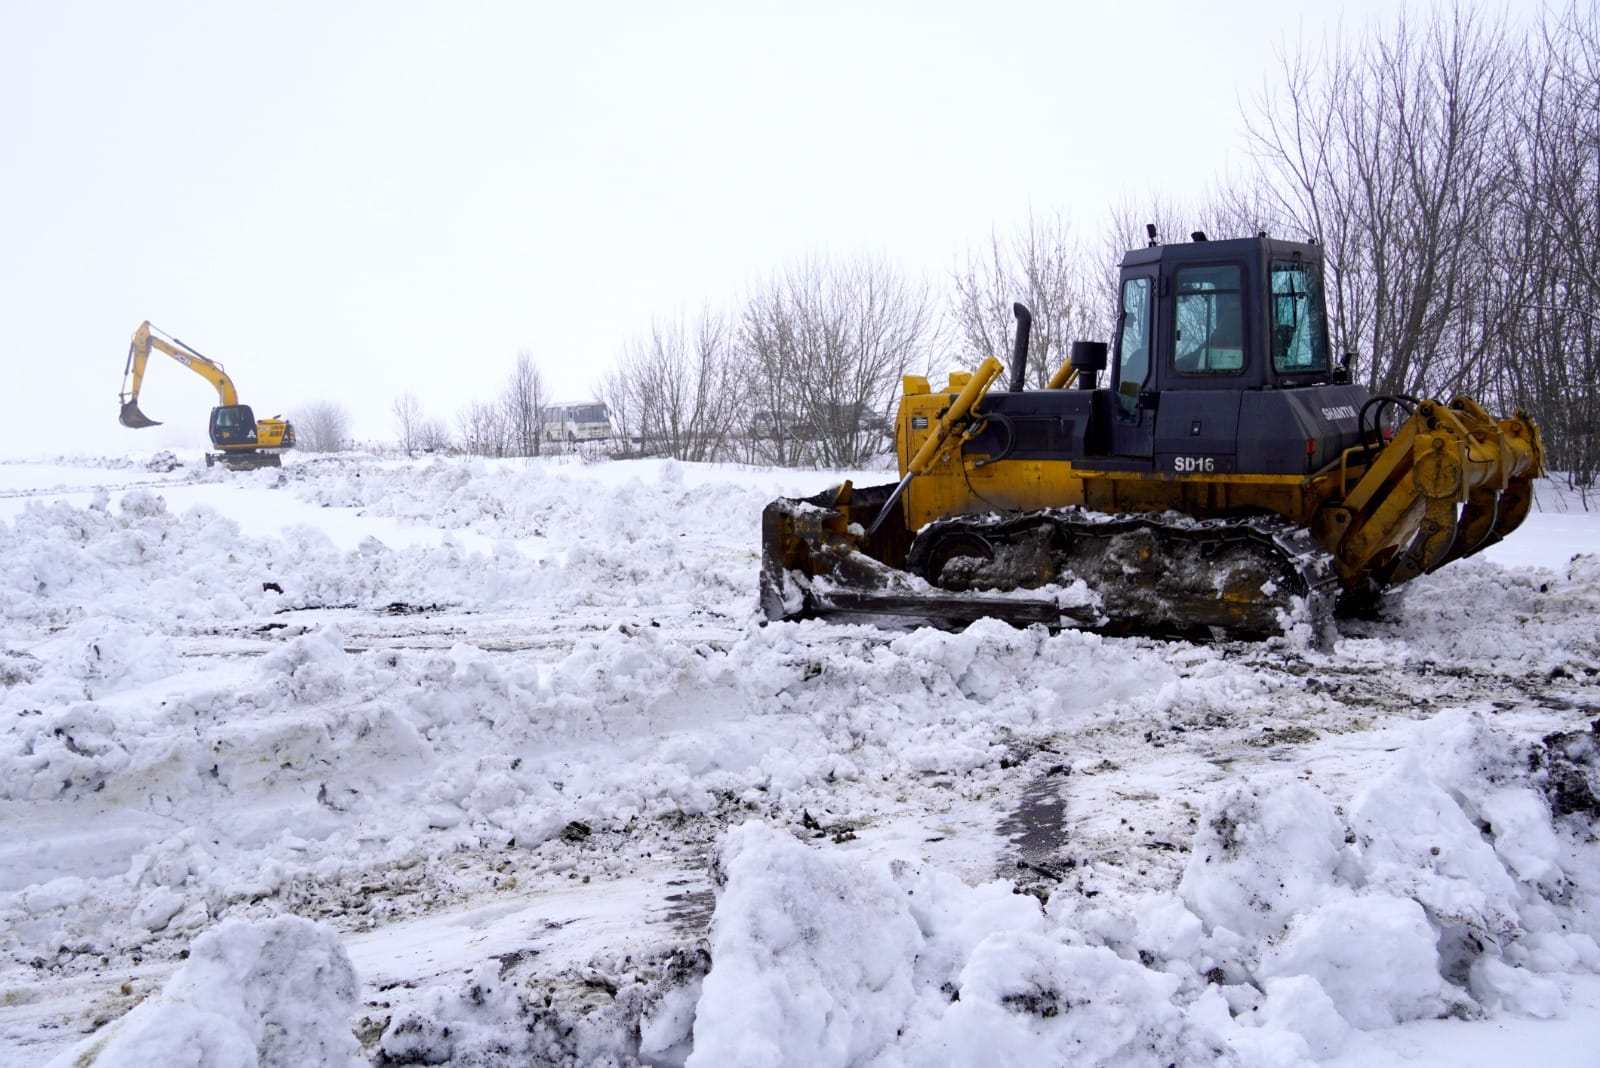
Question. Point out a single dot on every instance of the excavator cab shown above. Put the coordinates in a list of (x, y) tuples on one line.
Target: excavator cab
[(233, 426)]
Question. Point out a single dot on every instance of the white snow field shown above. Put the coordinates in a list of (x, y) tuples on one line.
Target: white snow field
[(456, 763)]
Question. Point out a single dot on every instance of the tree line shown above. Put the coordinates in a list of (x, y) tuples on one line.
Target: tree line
[(1448, 164), (1450, 167)]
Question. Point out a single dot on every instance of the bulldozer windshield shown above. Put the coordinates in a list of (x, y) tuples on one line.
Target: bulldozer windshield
[(1299, 334), (1209, 321)]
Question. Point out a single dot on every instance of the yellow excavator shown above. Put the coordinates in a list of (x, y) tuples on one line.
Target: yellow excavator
[(242, 441), (1227, 480)]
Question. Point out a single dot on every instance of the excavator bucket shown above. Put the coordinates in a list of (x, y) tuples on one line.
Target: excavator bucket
[(134, 419)]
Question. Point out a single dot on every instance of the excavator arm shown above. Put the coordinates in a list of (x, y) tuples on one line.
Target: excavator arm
[(145, 339)]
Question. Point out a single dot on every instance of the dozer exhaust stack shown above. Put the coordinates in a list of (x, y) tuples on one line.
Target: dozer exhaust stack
[(1019, 348), (133, 418)]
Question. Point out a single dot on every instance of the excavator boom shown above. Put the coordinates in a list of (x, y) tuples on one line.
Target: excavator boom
[(144, 340)]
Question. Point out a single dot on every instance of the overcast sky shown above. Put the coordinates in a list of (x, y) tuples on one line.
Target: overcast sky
[(348, 201)]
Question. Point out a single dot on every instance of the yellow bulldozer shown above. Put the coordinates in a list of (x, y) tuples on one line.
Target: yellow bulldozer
[(242, 441), (1227, 479)]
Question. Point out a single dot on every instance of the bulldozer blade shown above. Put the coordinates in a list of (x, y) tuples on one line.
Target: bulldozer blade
[(849, 586), (134, 419), (951, 610)]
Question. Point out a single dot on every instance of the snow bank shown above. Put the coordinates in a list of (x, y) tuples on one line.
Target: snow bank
[(514, 732)]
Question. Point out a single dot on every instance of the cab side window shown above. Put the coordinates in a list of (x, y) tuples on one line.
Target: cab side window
[(1299, 334), (1133, 344), (1208, 321)]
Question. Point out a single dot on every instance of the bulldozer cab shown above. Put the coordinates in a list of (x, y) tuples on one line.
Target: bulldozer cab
[(1206, 328), (1220, 315)]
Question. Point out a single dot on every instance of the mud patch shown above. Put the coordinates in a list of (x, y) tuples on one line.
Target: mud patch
[(1271, 736), (1571, 760), (689, 909), (1036, 829)]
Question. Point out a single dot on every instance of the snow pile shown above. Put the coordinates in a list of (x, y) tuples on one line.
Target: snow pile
[(1453, 889), (809, 960), (276, 994), (512, 732), (820, 961), (1458, 885)]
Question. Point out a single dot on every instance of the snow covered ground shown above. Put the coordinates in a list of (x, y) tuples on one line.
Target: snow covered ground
[(444, 762)]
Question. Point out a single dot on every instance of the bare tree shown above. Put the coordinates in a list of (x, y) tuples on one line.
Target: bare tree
[(824, 348), (433, 436), (1449, 168), (409, 421), (1045, 267), (673, 391), (484, 429), (771, 365), (322, 426), (1384, 150), (523, 401), (1544, 301), (619, 393)]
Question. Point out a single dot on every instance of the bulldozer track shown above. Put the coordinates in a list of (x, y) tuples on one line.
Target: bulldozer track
[(1156, 574)]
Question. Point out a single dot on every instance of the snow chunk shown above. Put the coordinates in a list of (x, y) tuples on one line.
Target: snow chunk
[(1374, 955), (1261, 856), (57, 893), (441, 1025), (314, 667), (1498, 986), (1029, 1000), (110, 653), (811, 958), (1298, 1004), (1524, 835), (273, 994), (1417, 842)]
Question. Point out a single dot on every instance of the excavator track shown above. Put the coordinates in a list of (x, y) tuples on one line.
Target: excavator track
[(1069, 567)]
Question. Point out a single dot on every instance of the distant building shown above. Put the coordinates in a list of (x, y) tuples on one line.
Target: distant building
[(575, 422)]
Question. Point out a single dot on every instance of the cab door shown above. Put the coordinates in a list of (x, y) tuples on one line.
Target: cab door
[(1133, 412)]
